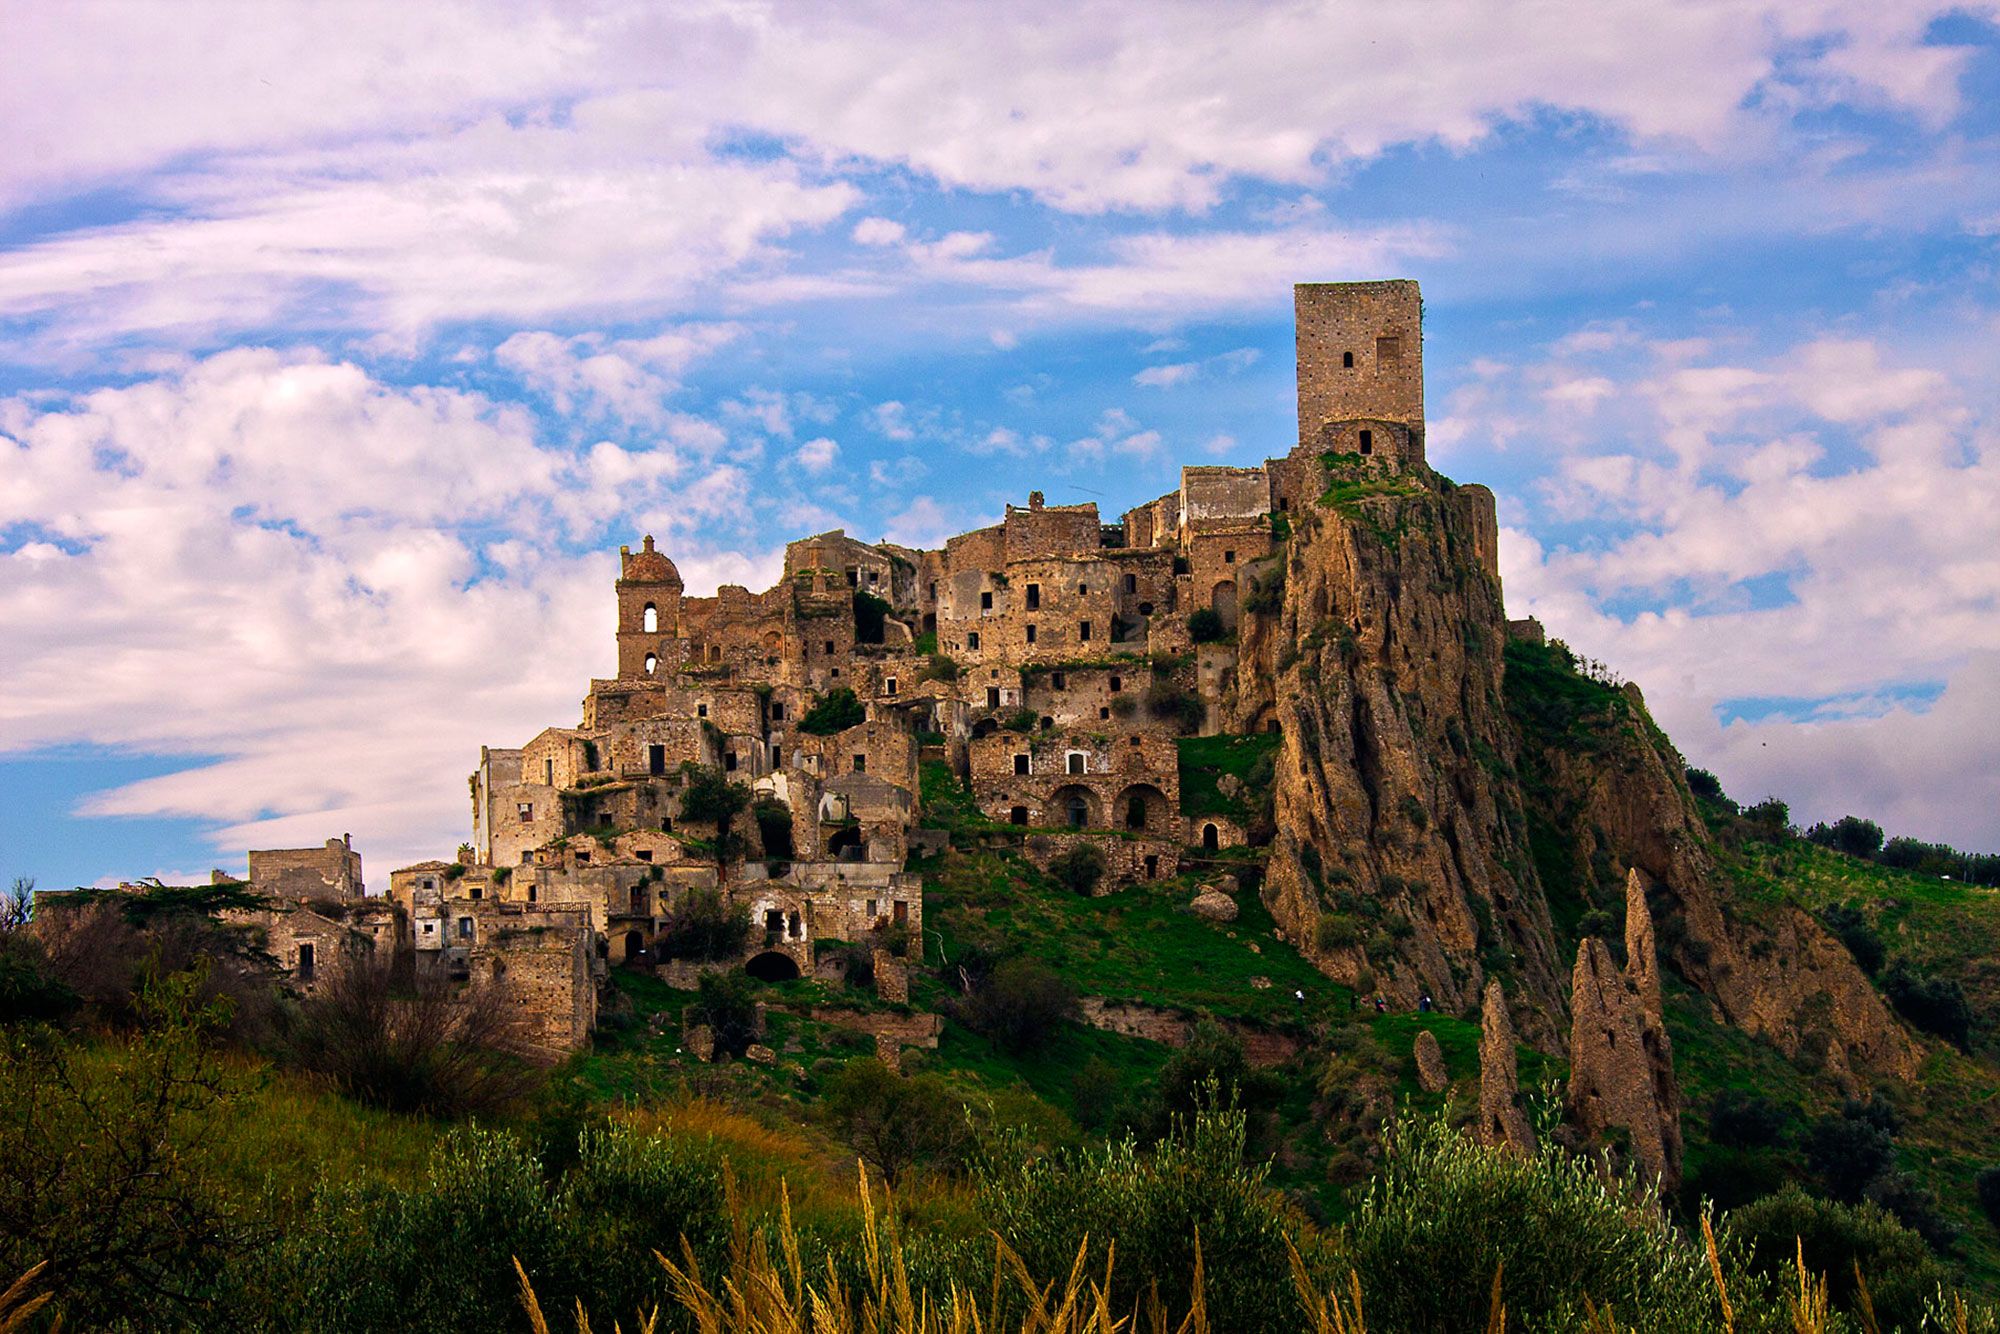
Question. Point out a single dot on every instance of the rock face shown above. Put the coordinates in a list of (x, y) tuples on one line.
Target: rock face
[(1419, 809), (1621, 1059), (1502, 1123), (1383, 672), (1432, 1077)]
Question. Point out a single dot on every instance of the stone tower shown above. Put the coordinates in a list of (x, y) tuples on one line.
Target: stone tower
[(1361, 368), (649, 612)]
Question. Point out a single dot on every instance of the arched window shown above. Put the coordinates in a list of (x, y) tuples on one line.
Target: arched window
[(1210, 838), (1367, 442), (650, 620), (1079, 812), (652, 664)]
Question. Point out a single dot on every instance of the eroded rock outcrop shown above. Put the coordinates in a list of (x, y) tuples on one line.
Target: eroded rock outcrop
[(1621, 1059), (1502, 1122), (1432, 1077)]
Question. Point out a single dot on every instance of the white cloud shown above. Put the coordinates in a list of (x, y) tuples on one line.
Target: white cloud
[(877, 232), (1165, 377), (817, 456), (339, 586), (629, 379), (892, 420), (1813, 525)]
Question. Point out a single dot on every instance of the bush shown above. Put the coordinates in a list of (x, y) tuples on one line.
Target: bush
[(835, 711), (1850, 834), (1987, 1186), (774, 827), (1205, 626), (1444, 1214), (109, 1170), (1211, 1070), (1849, 1151), (703, 925), (1704, 784), (1740, 1120), (1770, 814), (939, 668), (1337, 931), (1934, 1004), (1151, 1208), (1020, 1003), (440, 1254), (870, 615), (1847, 922), (1898, 1268), (727, 1003), (1022, 720), (894, 1122), (1167, 699), (1079, 870), (709, 797), (418, 1045)]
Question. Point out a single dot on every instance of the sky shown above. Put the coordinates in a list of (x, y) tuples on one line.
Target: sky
[(342, 345)]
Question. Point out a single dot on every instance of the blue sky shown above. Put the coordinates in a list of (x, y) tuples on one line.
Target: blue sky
[(339, 352)]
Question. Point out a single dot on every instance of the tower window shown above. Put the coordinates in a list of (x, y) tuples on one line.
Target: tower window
[(1076, 761), (1228, 558), (701, 710), (650, 620), (1367, 442), (1388, 350), (1347, 360), (986, 602), (890, 686), (1131, 583), (1034, 597), (972, 640), (1031, 634), (1083, 632), (1020, 764), (1116, 685), (652, 664)]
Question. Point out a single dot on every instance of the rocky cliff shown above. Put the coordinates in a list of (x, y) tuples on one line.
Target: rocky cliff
[(1453, 807)]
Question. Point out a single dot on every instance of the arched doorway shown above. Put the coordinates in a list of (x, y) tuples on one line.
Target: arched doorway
[(771, 966), (848, 845), (1211, 838), (635, 946), (1076, 806), (1143, 806)]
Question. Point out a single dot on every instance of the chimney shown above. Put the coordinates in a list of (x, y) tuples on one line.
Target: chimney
[(1034, 500)]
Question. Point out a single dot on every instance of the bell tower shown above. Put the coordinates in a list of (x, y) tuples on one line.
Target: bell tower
[(649, 613), (1361, 367)]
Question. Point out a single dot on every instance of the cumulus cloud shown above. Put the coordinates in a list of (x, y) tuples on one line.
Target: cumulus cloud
[(816, 456), (1803, 529), (278, 559)]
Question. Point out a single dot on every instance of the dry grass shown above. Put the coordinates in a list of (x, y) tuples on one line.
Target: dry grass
[(17, 1307)]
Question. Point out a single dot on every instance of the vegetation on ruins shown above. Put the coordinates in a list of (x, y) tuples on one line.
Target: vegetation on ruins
[(835, 711), (703, 925)]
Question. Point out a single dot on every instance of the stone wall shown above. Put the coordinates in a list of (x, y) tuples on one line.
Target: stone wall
[(330, 871), (1360, 354)]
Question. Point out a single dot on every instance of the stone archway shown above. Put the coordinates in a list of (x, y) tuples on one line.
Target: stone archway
[(1076, 806), (1223, 601), (772, 966), (1143, 807)]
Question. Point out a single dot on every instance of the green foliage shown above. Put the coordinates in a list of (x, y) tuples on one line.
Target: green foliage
[(1445, 1214), (1935, 1004), (1151, 1207), (870, 615), (1704, 784), (1987, 1186), (1267, 589), (894, 1122), (107, 1170), (440, 1253), (1899, 1269), (727, 1003), (1019, 1003), (940, 667), (1079, 870), (1167, 698), (1850, 925), (1771, 813), (1205, 626), (1022, 720), (925, 646), (1204, 760), (703, 925), (1849, 834), (835, 711), (711, 798), (774, 826)]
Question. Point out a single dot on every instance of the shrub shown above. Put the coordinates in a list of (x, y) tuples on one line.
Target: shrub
[(774, 827), (1848, 924), (1740, 1120), (1444, 1214), (1205, 626), (1850, 1150), (108, 1167), (417, 1045), (1020, 1002), (1151, 1208), (1704, 784), (1168, 699), (1899, 1269), (1022, 720), (835, 711), (1079, 870), (1987, 1187), (1267, 591), (1771, 813), (1337, 931), (1936, 1005), (894, 1122), (1210, 1070), (727, 1003), (709, 797), (939, 668), (703, 925)]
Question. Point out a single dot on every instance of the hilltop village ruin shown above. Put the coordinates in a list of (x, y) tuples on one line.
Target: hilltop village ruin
[(1050, 661)]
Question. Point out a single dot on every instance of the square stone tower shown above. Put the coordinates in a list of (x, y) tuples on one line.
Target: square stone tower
[(1361, 367)]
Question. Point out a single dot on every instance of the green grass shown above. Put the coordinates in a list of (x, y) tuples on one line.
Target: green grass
[(1205, 759)]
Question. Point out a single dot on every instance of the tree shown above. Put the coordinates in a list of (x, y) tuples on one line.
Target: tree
[(1935, 1004), (1078, 870), (835, 711), (703, 925), (1211, 1068), (1205, 626), (727, 1003), (1020, 1002), (1704, 784), (1847, 922), (870, 615), (1771, 813), (894, 1122), (710, 798)]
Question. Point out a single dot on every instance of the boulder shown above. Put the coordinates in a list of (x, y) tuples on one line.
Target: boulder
[(701, 1042), (760, 1053), (1213, 904)]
